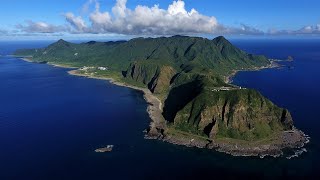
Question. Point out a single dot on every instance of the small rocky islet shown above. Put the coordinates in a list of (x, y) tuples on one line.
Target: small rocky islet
[(108, 148)]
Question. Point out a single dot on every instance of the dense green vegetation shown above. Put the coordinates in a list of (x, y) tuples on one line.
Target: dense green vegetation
[(187, 73), (188, 53), (241, 114)]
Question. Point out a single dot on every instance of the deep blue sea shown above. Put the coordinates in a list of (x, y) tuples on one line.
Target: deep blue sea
[(51, 122)]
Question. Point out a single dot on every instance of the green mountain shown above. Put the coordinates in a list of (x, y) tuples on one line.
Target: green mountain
[(183, 52), (187, 74)]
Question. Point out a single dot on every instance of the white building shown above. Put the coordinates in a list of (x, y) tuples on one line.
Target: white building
[(102, 68)]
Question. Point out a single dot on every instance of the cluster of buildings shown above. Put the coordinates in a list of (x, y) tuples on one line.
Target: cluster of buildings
[(103, 68), (86, 68), (217, 89)]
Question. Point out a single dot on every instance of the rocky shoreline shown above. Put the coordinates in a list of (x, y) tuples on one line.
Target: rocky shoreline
[(294, 139), (157, 130)]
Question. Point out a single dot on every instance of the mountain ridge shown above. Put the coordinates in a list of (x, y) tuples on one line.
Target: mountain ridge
[(178, 50)]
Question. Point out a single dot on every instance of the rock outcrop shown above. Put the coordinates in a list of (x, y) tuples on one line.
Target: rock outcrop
[(155, 76)]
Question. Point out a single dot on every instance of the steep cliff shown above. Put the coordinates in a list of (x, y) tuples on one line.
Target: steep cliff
[(155, 76)]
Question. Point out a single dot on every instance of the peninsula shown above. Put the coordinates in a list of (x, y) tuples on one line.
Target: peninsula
[(185, 81)]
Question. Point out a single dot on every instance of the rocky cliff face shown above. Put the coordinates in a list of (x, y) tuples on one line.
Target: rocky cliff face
[(156, 77), (161, 82)]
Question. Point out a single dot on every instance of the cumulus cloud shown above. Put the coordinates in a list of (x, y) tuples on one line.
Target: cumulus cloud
[(86, 6), (149, 20), (144, 20), (76, 22), (120, 10), (39, 27)]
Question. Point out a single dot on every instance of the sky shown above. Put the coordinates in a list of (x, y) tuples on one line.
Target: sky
[(124, 19)]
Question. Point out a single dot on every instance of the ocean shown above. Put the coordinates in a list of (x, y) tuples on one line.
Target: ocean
[(51, 122)]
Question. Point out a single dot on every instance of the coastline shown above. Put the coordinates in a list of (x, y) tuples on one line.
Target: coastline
[(61, 66), (27, 59), (295, 139), (273, 64), (154, 108)]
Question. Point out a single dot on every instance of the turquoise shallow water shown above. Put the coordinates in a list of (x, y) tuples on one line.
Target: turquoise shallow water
[(51, 122)]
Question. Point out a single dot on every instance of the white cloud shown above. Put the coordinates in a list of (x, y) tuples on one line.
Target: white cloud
[(39, 27), (144, 20), (120, 9), (76, 22), (307, 30), (242, 30), (86, 6), (99, 20)]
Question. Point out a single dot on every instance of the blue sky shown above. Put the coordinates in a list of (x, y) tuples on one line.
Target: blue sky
[(75, 18)]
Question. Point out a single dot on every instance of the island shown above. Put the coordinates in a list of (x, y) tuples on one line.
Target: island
[(104, 149), (186, 82)]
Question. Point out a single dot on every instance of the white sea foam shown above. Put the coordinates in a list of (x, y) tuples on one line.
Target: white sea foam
[(297, 153)]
